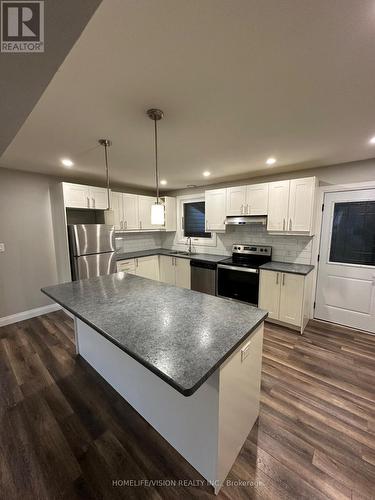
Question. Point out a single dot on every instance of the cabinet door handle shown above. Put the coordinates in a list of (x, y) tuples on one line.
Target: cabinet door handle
[(283, 224), (93, 202), (290, 224), (88, 202), (125, 224), (121, 224), (283, 279), (241, 209), (248, 209), (140, 224), (277, 278), (136, 262), (207, 224), (182, 223)]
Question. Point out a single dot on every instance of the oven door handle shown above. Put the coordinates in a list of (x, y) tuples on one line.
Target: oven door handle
[(240, 269)]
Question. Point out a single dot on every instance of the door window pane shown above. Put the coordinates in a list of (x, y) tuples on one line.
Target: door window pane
[(353, 233), (194, 220)]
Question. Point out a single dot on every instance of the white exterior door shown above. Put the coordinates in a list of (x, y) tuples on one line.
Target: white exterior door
[(346, 275), (236, 200), (278, 203)]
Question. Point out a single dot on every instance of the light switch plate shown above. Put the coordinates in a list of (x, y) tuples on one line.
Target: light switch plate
[(2, 247)]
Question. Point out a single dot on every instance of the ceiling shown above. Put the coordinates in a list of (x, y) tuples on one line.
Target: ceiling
[(24, 77), (238, 80)]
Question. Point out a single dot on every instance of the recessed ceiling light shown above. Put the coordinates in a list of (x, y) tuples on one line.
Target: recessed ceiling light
[(271, 161), (206, 173), (372, 140), (66, 162), (163, 182)]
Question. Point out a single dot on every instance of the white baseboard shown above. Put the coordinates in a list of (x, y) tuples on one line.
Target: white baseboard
[(38, 311)]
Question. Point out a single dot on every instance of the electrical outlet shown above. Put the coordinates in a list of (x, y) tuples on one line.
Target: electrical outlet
[(2, 247)]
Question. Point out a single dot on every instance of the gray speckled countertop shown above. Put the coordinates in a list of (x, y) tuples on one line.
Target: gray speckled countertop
[(286, 267), (164, 251), (181, 335)]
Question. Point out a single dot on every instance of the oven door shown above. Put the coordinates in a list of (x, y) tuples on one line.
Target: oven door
[(238, 283)]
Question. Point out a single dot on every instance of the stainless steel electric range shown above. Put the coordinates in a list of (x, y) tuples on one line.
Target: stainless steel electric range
[(238, 276)]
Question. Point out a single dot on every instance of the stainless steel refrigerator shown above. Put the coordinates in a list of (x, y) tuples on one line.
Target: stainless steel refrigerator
[(92, 250)]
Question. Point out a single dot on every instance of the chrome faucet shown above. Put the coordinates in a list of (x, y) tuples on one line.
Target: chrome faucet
[(188, 242)]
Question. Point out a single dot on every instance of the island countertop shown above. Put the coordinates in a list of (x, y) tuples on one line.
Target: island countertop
[(182, 336)]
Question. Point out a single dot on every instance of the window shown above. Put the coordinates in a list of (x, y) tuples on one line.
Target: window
[(191, 216), (194, 220), (353, 233)]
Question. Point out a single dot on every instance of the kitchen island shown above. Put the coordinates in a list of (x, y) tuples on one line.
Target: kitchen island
[(188, 362)]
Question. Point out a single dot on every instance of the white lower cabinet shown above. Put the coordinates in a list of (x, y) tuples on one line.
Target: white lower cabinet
[(182, 272), (286, 297), (147, 267), (126, 266), (175, 271), (167, 269)]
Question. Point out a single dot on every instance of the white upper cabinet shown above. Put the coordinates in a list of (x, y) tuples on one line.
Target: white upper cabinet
[(301, 204), (248, 200), (236, 200), (117, 207), (130, 211), (80, 196), (215, 208), (76, 195), (257, 199), (170, 213), (98, 198), (291, 206), (278, 203), (144, 206)]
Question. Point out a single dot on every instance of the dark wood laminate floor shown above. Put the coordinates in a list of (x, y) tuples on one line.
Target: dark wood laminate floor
[(64, 433)]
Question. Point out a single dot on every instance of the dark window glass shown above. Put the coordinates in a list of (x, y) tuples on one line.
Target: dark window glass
[(194, 220), (353, 233)]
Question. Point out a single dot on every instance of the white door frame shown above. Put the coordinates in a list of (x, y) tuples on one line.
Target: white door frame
[(318, 225)]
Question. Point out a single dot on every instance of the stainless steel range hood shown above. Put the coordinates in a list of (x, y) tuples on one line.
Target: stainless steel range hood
[(246, 219)]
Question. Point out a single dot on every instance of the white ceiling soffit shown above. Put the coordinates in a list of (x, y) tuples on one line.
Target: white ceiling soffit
[(239, 81), (24, 77)]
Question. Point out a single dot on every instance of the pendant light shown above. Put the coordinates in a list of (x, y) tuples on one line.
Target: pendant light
[(109, 216), (157, 209)]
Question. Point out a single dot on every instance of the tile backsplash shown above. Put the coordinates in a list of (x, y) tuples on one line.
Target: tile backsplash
[(296, 249), (132, 242)]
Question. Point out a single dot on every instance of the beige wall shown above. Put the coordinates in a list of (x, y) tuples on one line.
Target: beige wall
[(345, 173), (28, 262), (26, 229)]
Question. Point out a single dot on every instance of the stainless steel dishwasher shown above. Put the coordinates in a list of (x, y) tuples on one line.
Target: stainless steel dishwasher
[(203, 276)]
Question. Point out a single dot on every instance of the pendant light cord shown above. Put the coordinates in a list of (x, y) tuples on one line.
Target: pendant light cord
[(156, 161), (106, 145)]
